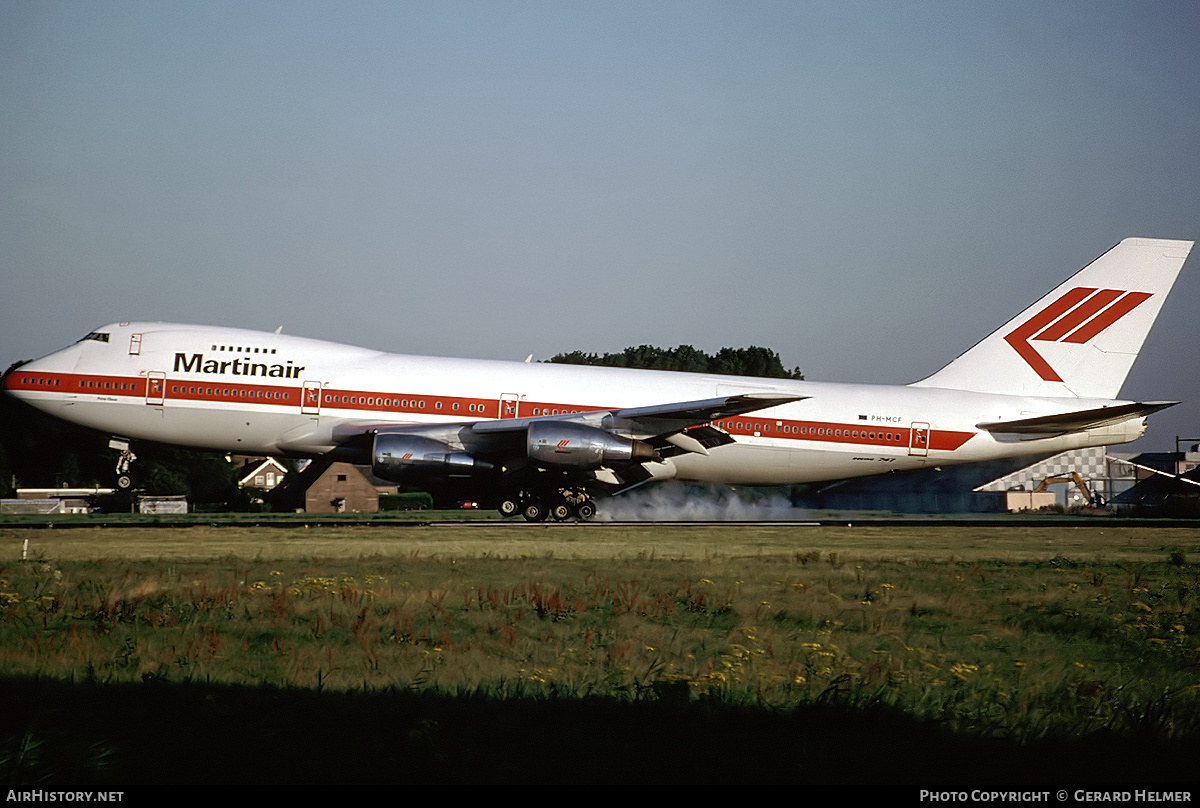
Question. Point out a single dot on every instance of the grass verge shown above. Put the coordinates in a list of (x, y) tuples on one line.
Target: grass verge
[(662, 667)]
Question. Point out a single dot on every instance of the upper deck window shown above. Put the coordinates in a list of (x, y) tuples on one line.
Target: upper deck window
[(98, 336)]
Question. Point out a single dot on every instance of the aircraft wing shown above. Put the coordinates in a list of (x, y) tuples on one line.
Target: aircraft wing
[(655, 420), (662, 425), (1076, 421), (670, 428), (663, 418)]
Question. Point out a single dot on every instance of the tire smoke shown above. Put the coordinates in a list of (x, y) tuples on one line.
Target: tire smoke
[(679, 502)]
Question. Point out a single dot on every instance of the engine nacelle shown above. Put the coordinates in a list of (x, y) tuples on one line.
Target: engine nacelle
[(400, 457), (567, 445)]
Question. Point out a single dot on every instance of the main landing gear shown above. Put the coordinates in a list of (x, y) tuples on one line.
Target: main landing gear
[(124, 461), (561, 505)]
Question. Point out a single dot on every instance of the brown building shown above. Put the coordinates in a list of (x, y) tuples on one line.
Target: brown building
[(343, 488)]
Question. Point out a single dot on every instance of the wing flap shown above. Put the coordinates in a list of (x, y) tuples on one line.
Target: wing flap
[(697, 440)]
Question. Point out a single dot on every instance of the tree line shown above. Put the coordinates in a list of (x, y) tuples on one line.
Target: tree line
[(752, 361)]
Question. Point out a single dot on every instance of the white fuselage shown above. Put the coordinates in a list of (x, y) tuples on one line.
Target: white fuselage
[(260, 393)]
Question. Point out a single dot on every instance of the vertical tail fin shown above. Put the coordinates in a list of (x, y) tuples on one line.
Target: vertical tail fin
[(1082, 338)]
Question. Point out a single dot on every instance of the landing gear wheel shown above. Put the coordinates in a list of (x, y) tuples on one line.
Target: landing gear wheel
[(535, 511), (561, 512), (585, 510), (125, 459), (508, 507)]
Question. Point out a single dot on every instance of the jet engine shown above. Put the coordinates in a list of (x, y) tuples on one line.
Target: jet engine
[(560, 444), (396, 457)]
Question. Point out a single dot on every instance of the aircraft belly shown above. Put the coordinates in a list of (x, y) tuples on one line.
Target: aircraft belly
[(105, 414), (751, 464), (239, 431), (200, 427), (738, 463)]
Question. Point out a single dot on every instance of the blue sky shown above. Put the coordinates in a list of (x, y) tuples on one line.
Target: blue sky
[(868, 188)]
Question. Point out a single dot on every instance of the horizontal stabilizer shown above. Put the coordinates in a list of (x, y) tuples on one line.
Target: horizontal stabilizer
[(1076, 421)]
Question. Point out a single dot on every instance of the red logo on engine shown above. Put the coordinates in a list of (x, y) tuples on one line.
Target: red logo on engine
[(562, 445), (1077, 317)]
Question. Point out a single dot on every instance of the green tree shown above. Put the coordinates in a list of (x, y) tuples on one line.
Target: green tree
[(752, 361), (44, 452), (6, 475)]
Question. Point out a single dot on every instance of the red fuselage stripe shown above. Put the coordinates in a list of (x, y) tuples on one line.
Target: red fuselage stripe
[(291, 398)]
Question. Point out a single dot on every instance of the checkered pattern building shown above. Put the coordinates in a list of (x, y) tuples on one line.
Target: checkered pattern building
[(1097, 467)]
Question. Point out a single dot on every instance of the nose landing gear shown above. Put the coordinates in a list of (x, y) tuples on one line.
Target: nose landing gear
[(124, 461)]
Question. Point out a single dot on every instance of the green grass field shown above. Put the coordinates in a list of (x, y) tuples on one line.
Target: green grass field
[(1019, 653)]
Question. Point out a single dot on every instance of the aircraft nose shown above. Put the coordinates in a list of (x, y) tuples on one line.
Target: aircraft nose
[(17, 379), (40, 374)]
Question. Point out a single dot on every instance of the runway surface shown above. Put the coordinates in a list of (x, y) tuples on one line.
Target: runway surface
[(289, 521)]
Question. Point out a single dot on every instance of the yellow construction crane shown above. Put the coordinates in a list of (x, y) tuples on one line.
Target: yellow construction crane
[(1074, 477)]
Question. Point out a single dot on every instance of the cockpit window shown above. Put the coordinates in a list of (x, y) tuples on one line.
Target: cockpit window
[(98, 336)]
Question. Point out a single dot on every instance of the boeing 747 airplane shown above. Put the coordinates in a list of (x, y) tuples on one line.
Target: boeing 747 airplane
[(546, 440)]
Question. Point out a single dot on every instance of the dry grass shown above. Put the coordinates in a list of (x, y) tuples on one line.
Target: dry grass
[(1018, 634), (928, 542)]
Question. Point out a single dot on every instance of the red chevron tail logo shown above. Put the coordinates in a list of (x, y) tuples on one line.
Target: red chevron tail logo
[(1077, 317)]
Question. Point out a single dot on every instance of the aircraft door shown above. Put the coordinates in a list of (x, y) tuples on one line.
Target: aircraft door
[(310, 399), (156, 388), (918, 442), (510, 405)]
